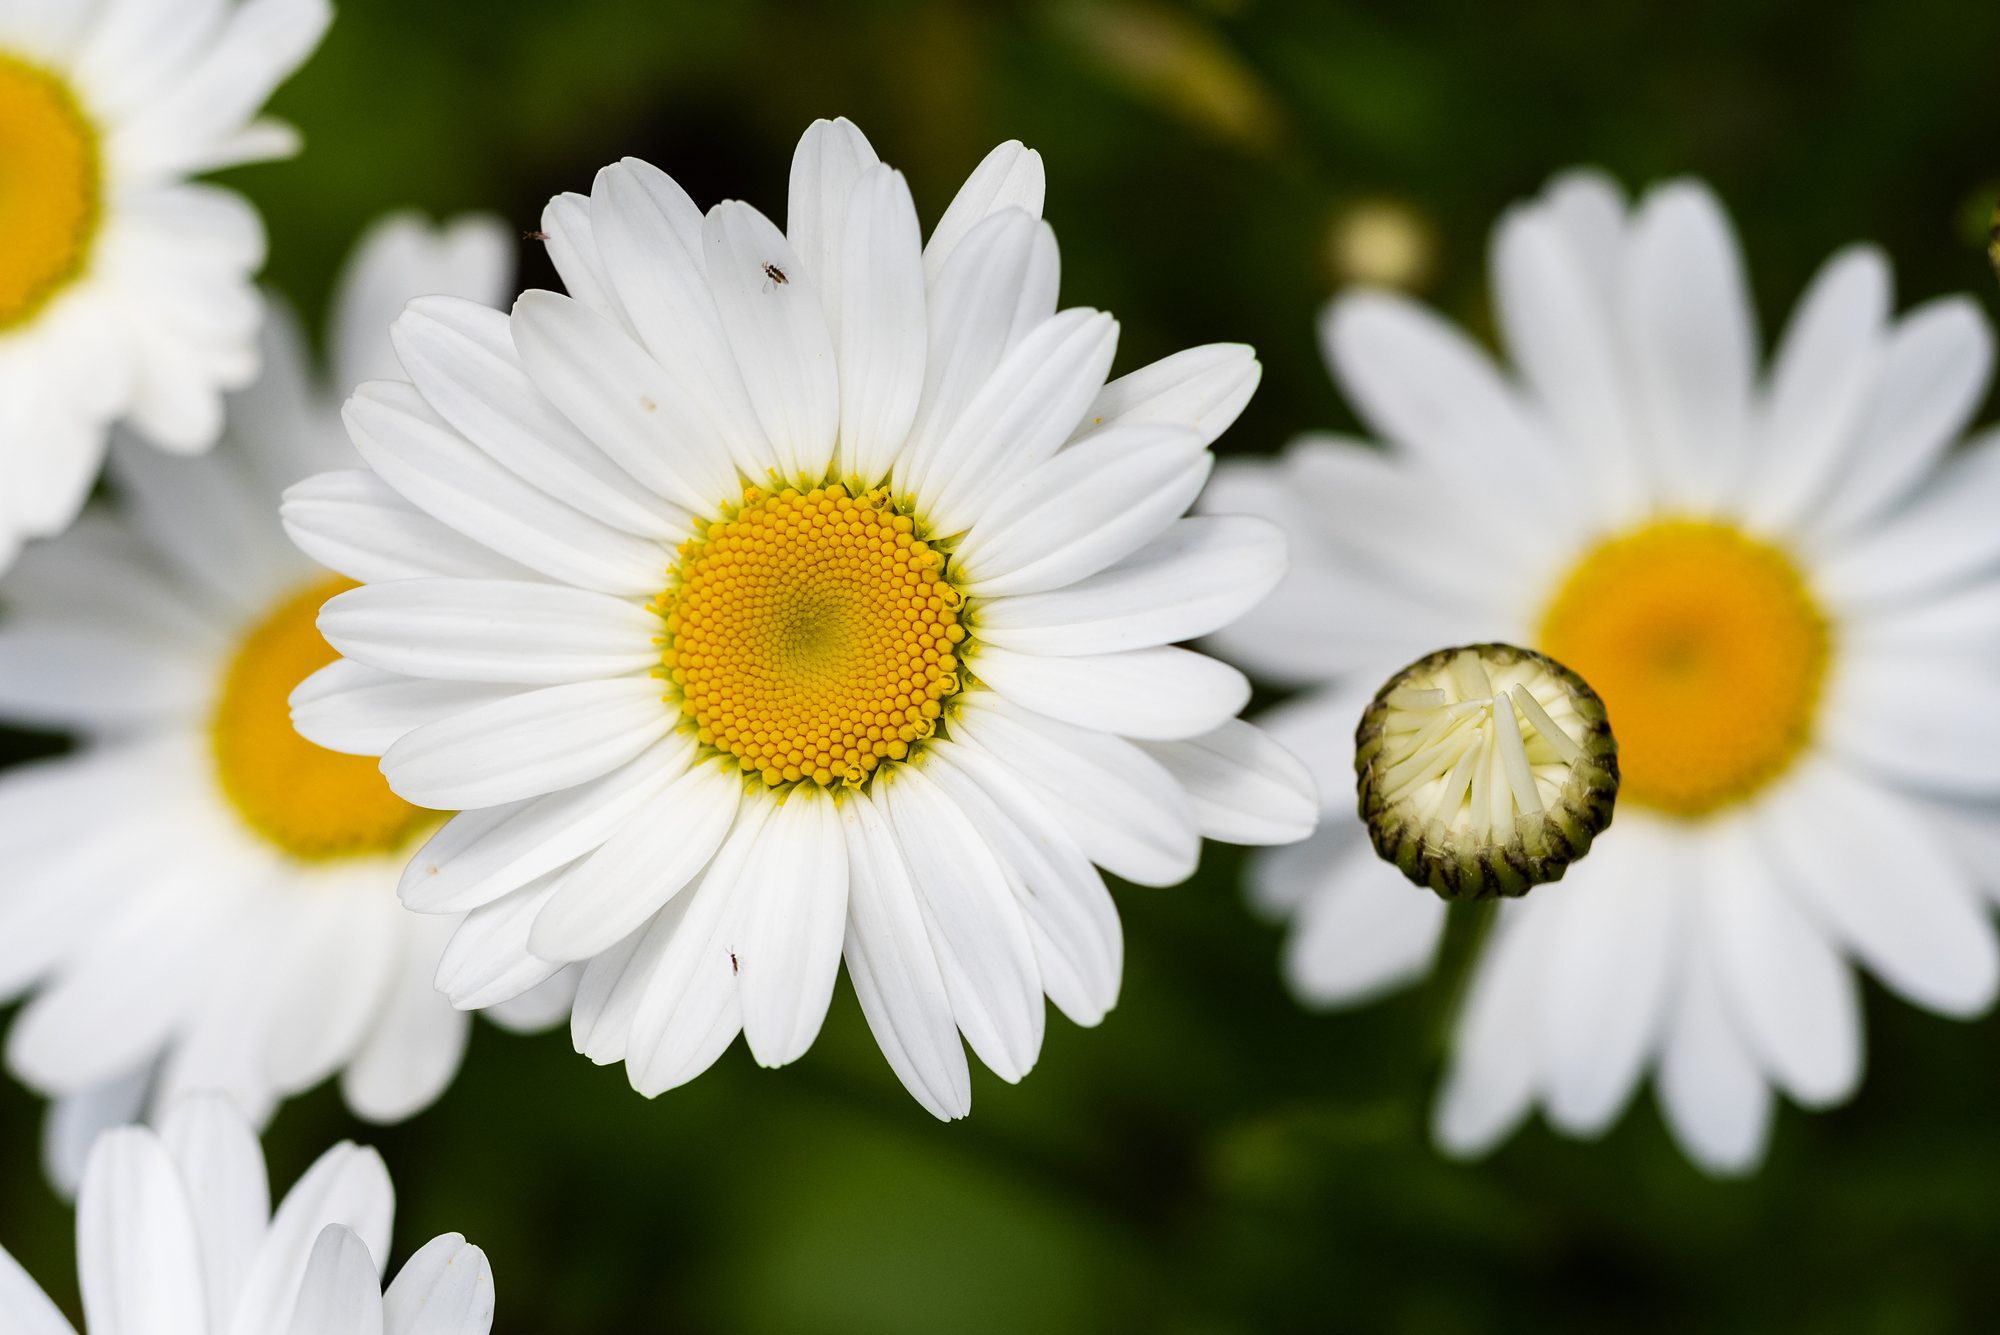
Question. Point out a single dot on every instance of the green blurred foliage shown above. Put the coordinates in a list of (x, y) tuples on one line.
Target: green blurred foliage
[(1213, 1160)]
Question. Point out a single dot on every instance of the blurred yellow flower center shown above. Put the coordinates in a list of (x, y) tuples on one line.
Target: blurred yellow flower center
[(812, 635), (312, 803), (49, 203), (1708, 651)]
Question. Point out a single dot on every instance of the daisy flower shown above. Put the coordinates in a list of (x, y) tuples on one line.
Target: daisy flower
[(1775, 579), (125, 290), (175, 1232), (776, 597), (198, 898)]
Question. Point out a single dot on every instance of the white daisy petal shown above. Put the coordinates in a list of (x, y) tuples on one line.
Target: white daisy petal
[(26, 1308), (480, 855), (1200, 390), (526, 745), (786, 937), (1162, 693), (400, 257), (1196, 577), (79, 676), (1711, 1093), (446, 477), (137, 1258), (1795, 1000), (542, 1006), (235, 555), (335, 974), (1934, 373), (1120, 804), (617, 395), (572, 244), (464, 362), (879, 324), (1362, 932), (1000, 284), (649, 234), (1244, 788), (611, 893), (1825, 369), (608, 995), (1427, 388), (830, 160), (354, 522), (340, 1293), (229, 1197), (983, 949), (1082, 510), (1618, 930), (446, 1288), (73, 1123), (1071, 919), (1939, 538), (1881, 714), (363, 711), (1490, 1083), (1021, 416), (687, 1008), (487, 959), (491, 630), (1010, 177), (1554, 309), (1695, 341), (771, 313), (348, 1186), (894, 968), (416, 1043), (1839, 839), (259, 47)]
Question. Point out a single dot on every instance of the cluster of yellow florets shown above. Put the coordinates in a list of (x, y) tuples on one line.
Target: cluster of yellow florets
[(312, 803), (49, 194), (1708, 650), (812, 635)]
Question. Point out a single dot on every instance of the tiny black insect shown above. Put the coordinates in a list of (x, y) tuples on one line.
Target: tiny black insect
[(534, 236), (733, 967), (774, 273)]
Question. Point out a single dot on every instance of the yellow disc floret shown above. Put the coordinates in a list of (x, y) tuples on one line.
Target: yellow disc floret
[(49, 189), (312, 803), (1709, 652), (812, 634)]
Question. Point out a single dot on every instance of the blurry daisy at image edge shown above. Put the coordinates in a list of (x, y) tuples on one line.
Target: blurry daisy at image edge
[(197, 898), (125, 289), (175, 1231), (1785, 585)]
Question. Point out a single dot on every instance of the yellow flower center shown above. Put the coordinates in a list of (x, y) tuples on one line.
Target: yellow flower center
[(812, 635), (313, 803), (49, 189), (1708, 651)]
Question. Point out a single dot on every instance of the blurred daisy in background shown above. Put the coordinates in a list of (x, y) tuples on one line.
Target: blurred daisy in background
[(175, 1232), (1785, 585), (125, 291), (198, 897), (796, 595)]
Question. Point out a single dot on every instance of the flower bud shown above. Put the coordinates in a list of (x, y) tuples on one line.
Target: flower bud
[(1485, 770)]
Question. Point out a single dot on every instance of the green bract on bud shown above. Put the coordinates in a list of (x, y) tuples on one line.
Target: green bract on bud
[(1485, 770)]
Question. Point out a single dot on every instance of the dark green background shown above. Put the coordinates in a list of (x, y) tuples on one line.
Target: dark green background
[(1212, 1159)]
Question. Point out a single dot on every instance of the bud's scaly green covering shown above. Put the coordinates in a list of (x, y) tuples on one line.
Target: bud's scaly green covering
[(1485, 770)]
